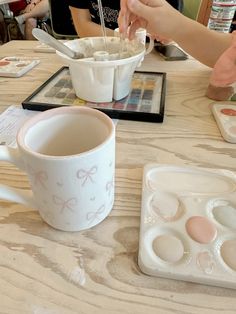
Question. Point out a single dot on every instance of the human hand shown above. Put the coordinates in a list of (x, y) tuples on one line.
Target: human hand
[(125, 17), (224, 72), (157, 16)]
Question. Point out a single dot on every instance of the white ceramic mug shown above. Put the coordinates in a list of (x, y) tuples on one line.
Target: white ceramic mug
[(68, 154), (140, 35)]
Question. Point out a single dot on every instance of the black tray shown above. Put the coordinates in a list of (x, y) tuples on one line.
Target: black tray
[(145, 101)]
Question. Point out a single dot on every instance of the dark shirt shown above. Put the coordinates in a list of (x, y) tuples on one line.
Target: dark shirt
[(110, 10), (177, 4)]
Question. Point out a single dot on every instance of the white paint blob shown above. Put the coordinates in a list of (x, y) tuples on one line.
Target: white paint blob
[(168, 248), (77, 275), (225, 214)]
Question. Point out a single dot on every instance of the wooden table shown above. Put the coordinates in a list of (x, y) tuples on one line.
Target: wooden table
[(42, 269)]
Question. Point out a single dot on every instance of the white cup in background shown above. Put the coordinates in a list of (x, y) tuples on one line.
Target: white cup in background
[(140, 35), (68, 154)]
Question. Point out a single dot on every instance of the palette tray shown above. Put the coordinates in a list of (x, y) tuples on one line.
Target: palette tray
[(145, 101), (188, 224), (225, 116), (15, 66)]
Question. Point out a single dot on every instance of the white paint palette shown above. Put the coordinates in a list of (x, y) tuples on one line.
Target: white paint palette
[(188, 224), (16, 66), (225, 116)]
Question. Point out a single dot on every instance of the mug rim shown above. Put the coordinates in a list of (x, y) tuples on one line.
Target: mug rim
[(20, 138)]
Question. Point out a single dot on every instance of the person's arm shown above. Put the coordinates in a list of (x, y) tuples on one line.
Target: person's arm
[(163, 21), (200, 42), (84, 25)]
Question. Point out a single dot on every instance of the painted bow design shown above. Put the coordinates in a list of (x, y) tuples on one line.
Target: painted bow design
[(109, 186), (91, 216), (39, 177), (65, 204), (85, 175)]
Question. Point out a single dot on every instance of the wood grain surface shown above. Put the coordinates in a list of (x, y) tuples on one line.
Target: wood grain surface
[(45, 271)]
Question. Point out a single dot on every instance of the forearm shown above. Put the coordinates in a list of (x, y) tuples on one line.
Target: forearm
[(163, 22), (203, 44), (91, 29), (84, 26)]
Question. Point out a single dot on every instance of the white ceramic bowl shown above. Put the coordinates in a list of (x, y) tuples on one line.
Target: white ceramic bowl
[(101, 76)]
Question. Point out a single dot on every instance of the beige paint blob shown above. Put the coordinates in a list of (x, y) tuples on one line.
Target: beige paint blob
[(200, 229), (168, 248), (228, 253)]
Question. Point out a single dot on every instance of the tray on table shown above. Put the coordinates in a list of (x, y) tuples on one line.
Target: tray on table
[(145, 102)]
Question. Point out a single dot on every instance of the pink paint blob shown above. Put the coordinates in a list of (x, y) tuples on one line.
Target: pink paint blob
[(3, 63), (228, 112), (200, 229)]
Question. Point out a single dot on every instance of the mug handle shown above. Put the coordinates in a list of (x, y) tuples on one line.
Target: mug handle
[(8, 193), (150, 45)]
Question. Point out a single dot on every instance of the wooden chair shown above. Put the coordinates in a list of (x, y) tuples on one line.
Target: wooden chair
[(177, 4), (204, 12), (61, 20)]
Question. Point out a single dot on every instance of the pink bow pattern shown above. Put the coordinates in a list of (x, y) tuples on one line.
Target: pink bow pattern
[(86, 175), (91, 216), (109, 186), (65, 204), (39, 177)]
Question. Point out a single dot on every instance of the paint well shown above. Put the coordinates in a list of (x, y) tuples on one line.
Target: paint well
[(232, 129), (205, 262), (201, 229), (225, 214), (166, 206), (228, 253), (168, 248), (176, 179)]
